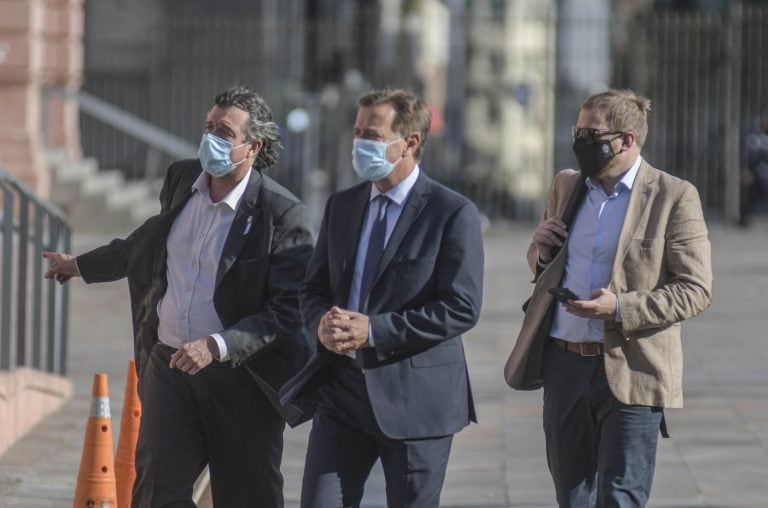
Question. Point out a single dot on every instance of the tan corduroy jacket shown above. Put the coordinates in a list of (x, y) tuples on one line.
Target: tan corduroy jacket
[(662, 275)]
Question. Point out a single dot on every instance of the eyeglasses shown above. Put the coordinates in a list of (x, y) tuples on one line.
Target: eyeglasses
[(590, 135)]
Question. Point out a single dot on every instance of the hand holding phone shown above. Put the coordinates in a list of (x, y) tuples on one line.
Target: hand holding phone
[(562, 295)]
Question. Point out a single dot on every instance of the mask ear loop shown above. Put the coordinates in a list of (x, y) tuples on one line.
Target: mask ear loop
[(621, 149), (405, 150), (396, 162), (244, 158), (401, 156)]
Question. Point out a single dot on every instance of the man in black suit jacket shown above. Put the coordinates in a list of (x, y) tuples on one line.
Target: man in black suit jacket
[(395, 279), (214, 286)]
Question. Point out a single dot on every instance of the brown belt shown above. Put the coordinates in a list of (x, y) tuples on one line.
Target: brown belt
[(582, 348)]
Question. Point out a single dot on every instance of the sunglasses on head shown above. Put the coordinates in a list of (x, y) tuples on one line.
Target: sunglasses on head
[(590, 135)]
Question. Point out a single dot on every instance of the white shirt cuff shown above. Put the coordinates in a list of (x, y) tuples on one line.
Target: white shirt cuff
[(223, 353), (370, 336)]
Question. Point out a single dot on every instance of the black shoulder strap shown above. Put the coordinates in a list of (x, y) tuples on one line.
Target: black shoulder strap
[(572, 206), (574, 201)]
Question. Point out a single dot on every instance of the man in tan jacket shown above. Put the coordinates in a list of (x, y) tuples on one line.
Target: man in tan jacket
[(637, 257)]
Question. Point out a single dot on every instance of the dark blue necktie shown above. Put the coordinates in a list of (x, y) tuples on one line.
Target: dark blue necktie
[(375, 248)]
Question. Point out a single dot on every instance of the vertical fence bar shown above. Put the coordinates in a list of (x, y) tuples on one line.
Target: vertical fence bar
[(731, 107), (5, 306), (66, 246), (21, 289), (705, 118), (37, 292), (53, 241)]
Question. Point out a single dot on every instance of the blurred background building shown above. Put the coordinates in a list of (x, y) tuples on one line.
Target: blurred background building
[(505, 78)]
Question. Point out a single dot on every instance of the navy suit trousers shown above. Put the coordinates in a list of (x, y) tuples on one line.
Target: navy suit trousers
[(345, 443)]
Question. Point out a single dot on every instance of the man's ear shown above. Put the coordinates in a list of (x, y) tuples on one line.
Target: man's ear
[(628, 140), (413, 141), (255, 147)]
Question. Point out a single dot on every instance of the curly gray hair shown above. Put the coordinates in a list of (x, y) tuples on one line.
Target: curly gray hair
[(259, 126)]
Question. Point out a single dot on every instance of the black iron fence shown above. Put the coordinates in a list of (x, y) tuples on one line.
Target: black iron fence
[(33, 312), (706, 72)]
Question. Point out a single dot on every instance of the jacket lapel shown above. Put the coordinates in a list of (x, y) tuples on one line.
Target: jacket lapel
[(247, 217), (354, 210), (642, 192), (412, 207), (187, 177)]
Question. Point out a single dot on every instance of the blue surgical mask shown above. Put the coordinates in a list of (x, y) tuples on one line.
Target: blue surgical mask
[(369, 158), (214, 155)]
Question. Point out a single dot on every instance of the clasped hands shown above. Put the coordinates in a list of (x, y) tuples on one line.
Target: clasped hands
[(341, 330)]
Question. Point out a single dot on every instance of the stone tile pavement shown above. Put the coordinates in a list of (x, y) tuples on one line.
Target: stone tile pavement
[(717, 456)]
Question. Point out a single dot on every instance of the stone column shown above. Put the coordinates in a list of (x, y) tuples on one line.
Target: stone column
[(21, 62), (63, 70)]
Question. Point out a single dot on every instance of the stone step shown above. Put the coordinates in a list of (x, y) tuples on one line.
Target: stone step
[(100, 200), (66, 179), (54, 157), (128, 194), (102, 183), (76, 170), (144, 210)]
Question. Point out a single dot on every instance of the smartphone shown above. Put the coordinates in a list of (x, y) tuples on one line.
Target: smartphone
[(562, 295)]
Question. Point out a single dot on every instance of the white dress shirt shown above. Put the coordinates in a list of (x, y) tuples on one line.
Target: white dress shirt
[(194, 244), (592, 244)]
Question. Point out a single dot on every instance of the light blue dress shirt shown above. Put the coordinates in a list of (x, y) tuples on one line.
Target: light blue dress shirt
[(397, 196), (592, 245)]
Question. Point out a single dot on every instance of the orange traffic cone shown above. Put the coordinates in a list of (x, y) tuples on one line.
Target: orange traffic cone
[(125, 460), (96, 479)]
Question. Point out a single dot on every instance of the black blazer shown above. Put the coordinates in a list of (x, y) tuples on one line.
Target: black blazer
[(427, 292), (256, 295)]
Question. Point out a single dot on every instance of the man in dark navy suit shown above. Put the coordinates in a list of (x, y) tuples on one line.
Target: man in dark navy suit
[(395, 279)]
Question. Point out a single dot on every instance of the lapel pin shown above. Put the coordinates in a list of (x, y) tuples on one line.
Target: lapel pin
[(248, 225)]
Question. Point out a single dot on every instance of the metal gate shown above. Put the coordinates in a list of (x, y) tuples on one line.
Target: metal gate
[(706, 73)]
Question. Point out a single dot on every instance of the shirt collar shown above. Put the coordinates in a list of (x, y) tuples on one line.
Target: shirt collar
[(232, 200), (399, 192), (627, 180)]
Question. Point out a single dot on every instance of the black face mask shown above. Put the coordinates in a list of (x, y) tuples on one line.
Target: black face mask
[(593, 156)]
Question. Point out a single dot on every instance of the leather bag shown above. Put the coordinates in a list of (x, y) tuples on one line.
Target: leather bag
[(523, 370)]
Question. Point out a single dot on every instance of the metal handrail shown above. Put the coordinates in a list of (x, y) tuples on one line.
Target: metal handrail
[(130, 124), (28, 221)]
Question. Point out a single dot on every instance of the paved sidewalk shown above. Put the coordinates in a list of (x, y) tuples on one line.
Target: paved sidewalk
[(717, 456)]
